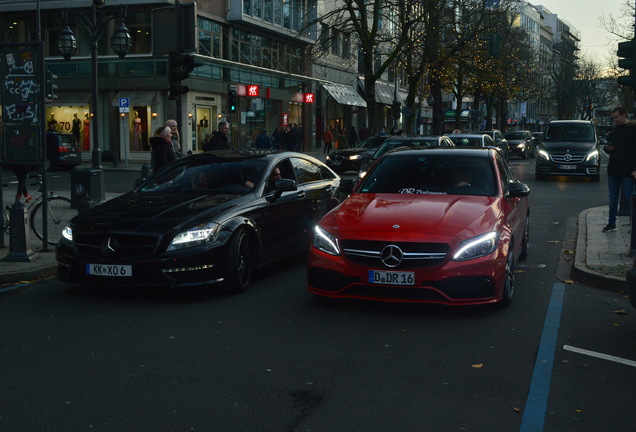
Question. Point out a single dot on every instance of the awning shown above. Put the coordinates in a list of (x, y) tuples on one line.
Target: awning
[(72, 99), (345, 95), (384, 93), (137, 98)]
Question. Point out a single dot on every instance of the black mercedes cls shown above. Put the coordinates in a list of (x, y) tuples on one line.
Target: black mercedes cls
[(206, 219)]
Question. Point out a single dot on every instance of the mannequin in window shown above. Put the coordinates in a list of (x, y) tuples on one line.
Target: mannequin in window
[(204, 127), (87, 132), (52, 123), (136, 132), (77, 125)]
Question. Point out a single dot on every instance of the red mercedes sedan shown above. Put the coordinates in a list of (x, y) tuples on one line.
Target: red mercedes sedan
[(425, 225)]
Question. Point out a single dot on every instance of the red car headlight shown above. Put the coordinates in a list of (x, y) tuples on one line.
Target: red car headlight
[(477, 247), (325, 242)]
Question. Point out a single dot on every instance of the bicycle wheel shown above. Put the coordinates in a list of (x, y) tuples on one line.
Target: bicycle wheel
[(60, 211)]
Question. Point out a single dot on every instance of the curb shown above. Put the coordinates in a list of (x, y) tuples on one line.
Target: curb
[(581, 273)]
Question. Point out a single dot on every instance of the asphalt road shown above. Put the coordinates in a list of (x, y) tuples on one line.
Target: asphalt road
[(276, 359)]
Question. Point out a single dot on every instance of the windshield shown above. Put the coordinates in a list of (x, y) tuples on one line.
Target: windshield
[(393, 144), (515, 135), (432, 175), (373, 142), (569, 132), (467, 141), (211, 177)]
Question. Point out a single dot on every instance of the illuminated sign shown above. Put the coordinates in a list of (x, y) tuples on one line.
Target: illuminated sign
[(253, 90), (309, 98)]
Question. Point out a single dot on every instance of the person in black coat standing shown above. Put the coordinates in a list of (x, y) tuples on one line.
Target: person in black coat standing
[(161, 145), (219, 140), (621, 168)]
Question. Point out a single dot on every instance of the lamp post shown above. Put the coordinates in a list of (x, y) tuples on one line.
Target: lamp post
[(121, 42)]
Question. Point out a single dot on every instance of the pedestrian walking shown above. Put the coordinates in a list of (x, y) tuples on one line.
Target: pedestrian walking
[(161, 147), (174, 137), (352, 139), (219, 140), (263, 140), (327, 139), (621, 168)]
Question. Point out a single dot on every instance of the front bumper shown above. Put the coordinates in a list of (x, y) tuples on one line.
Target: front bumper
[(478, 281)]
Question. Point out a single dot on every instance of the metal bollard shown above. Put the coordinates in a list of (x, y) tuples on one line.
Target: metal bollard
[(19, 250)]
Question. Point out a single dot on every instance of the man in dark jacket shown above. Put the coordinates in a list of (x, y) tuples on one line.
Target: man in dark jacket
[(621, 168), (219, 140)]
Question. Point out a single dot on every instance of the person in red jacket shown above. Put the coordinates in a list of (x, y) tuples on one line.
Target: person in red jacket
[(327, 139)]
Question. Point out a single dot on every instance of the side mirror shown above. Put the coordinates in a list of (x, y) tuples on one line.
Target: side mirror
[(517, 190), (347, 185), (280, 186)]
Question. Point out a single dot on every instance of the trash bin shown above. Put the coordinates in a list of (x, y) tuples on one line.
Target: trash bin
[(87, 183)]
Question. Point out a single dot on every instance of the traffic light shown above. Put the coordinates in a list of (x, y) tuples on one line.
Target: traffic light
[(397, 108), (627, 50), (494, 45), (231, 98), (49, 86), (179, 67)]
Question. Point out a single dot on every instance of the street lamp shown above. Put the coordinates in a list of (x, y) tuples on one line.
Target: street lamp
[(121, 43)]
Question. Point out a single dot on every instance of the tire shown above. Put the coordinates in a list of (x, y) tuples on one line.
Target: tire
[(509, 279), (525, 240), (240, 261), (61, 211)]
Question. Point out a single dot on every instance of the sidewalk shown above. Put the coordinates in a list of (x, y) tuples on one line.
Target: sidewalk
[(601, 260)]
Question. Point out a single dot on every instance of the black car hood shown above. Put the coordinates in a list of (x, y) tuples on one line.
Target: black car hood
[(573, 146), (153, 212)]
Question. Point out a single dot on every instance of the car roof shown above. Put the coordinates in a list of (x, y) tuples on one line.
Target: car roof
[(454, 151), (570, 121), (467, 135), (413, 138)]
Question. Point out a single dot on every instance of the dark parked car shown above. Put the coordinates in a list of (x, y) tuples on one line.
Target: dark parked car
[(62, 151), (474, 140), (405, 141), (351, 159), (569, 147), (520, 143), (499, 140), (207, 219), (425, 225)]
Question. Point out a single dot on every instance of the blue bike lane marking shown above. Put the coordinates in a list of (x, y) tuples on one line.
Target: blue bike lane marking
[(537, 402)]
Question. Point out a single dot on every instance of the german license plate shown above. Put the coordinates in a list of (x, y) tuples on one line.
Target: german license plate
[(391, 278), (109, 270), (567, 167), (336, 163), (73, 154)]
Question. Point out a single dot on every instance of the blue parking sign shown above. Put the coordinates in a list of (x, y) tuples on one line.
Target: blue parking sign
[(124, 105)]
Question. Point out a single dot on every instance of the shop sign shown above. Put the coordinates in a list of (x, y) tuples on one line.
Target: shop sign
[(309, 98), (285, 119), (253, 90)]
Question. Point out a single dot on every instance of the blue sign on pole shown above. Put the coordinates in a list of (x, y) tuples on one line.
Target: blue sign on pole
[(124, 105)]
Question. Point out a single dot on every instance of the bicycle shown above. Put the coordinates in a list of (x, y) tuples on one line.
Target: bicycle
[(60, 211)]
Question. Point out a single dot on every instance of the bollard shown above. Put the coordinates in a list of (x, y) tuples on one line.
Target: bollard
[(115, 159), (19, 250)]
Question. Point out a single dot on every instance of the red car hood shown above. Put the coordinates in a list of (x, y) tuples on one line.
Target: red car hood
[(436, 218)]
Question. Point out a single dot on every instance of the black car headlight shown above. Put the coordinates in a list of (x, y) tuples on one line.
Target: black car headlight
[(325, 242), (477, 247), (592, 156), (67, 233), (544, 154), (195, 236)]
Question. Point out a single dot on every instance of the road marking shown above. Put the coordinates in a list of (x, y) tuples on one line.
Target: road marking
[(536, 404), (627, 362)]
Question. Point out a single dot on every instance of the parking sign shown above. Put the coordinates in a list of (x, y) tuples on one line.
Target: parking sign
[(124, 105)]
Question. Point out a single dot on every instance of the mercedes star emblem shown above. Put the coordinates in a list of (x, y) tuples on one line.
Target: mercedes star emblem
[(391, 256)]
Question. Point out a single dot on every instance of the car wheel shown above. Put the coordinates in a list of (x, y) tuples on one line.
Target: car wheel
[(509, 279), (525, 240), (240, 261)]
